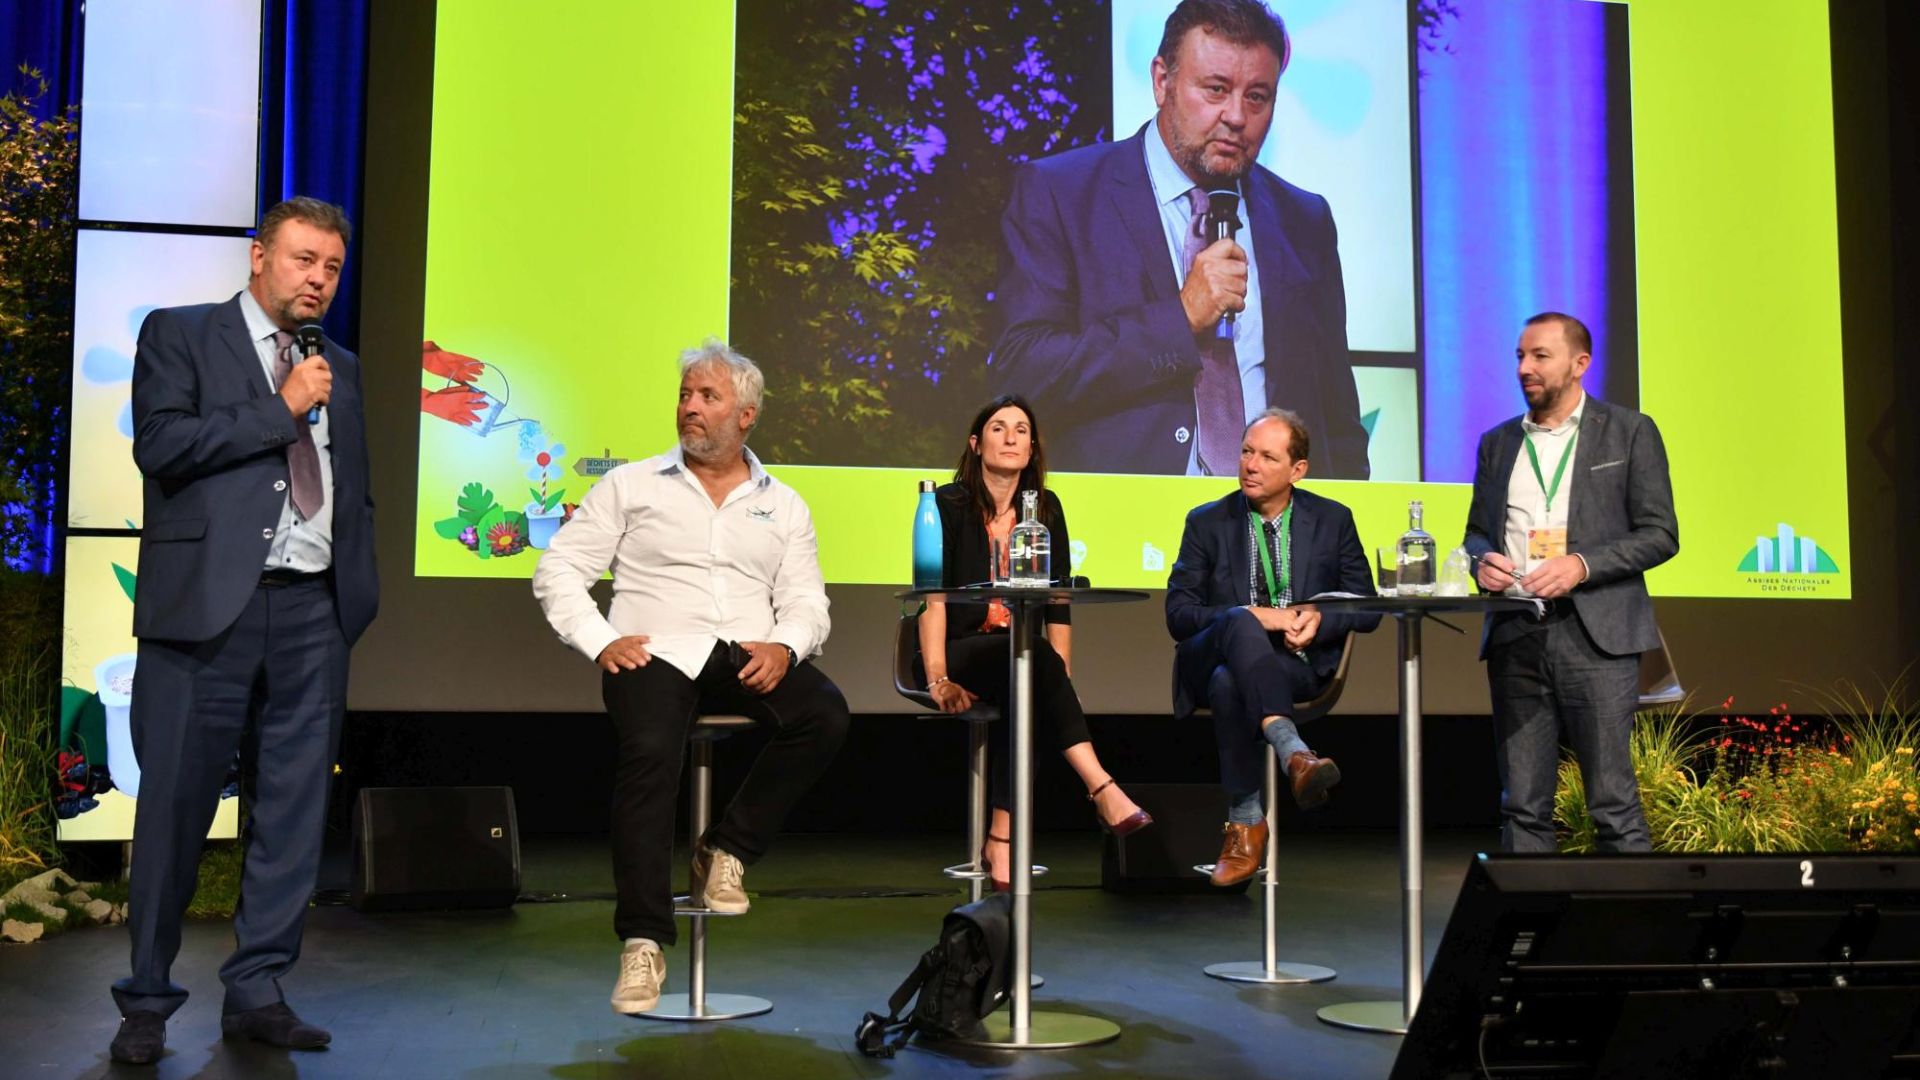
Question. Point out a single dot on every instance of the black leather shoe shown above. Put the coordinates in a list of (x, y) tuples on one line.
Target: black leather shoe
[(275, 1025), (142, 1035)]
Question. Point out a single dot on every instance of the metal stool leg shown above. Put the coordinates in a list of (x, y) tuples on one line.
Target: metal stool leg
[(974, 871), (697, 1004), (1269, 970)]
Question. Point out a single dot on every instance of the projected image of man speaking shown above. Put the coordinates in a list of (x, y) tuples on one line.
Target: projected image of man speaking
[(1158, 292)]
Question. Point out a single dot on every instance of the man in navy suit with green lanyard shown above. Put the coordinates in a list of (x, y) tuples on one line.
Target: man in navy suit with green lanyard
[(1571, 504), (1247, 647)]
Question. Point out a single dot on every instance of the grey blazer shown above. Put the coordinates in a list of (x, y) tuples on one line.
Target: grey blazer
[(1619, 518)]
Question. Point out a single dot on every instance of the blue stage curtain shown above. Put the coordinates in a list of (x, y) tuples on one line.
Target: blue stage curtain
[(44, 34), (313, 113)]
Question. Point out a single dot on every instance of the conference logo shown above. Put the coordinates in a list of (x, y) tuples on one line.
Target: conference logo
[(1788, 563)]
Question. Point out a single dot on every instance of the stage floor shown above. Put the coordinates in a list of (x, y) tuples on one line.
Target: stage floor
[(837, 922)]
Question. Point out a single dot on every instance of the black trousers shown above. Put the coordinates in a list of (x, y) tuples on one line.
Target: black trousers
[(653, 709), (980, 663), (274, 687)]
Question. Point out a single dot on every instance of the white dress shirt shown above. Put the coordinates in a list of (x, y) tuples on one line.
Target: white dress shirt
[(300, 544), (1527, 499), (1170, 187), (686, 573)]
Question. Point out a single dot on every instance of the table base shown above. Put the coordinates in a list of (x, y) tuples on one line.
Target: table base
[(1387, 1017), (1281, 974), (1045, 1031), (716, 1007)]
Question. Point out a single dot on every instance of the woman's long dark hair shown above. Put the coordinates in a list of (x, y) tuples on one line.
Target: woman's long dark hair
[(971, 473)]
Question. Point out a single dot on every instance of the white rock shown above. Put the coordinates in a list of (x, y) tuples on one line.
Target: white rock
[(98, 910), (79, 898), (23, 932)]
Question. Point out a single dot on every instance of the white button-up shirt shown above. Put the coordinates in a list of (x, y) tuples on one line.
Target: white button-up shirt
[(301, 544), (686, 573), (1527, 500)]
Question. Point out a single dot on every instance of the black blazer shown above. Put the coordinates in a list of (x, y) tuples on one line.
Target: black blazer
[(964, 540), (1619, 518), (1211, 575), (210, 438)]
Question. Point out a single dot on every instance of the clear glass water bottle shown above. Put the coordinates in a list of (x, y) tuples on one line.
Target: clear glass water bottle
[(1031, 546), (928, 541), (1417, 557)]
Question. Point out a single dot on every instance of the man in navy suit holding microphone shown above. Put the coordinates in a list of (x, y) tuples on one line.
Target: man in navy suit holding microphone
[(256, 577), (1158, 292)]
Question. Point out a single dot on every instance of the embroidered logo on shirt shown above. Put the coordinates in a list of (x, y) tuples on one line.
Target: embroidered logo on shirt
[(760, 513)]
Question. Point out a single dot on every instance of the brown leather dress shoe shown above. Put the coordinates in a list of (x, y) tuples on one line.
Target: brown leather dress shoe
[(1311, 777), (1240, 850)]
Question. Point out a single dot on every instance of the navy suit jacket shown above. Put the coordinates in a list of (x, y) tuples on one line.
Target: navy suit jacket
[(210, 437), (1215, 567), (1092, 331), (1619, 518)]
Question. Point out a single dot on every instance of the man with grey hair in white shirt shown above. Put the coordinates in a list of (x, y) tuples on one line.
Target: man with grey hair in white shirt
[(718, 604)]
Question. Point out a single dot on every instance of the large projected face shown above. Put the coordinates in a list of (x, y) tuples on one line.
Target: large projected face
[(1215, 104), (901, 209)]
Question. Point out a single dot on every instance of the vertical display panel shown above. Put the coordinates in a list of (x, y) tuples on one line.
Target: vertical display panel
[(120, 277), (172, 112)]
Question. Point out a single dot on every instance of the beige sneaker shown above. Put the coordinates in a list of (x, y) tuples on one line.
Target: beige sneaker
[(642, 969), (716, 882)]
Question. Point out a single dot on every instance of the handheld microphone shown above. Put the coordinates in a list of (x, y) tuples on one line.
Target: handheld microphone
[(312, 343), (1222, 222)]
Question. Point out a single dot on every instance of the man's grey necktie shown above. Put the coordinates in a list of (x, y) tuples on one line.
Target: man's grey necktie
[(1217, 397), (303, 458)]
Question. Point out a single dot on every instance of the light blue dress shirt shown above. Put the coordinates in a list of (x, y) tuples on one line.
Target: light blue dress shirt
[(1170, 187)]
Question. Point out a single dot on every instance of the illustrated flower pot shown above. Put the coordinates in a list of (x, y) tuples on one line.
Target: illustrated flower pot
[(114, 679), (542, 524)]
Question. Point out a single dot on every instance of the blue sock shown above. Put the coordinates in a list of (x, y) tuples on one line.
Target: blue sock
[(1245, 809), (1285, 740)]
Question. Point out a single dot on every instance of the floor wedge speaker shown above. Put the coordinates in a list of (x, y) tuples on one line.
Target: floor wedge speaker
[(1675, 966), (435, 847)]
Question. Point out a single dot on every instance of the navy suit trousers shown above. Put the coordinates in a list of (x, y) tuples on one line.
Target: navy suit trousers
[(272, 687), (1246, 676)]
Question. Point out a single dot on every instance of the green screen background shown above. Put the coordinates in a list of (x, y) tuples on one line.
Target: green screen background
[(578, 239)]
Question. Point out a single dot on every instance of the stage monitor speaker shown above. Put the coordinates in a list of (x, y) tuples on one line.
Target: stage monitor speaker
[(1653, 966), (435, 847), (1185, 832)]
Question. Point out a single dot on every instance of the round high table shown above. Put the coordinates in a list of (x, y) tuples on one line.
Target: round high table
[(1019, 1027), (1394, 1016)]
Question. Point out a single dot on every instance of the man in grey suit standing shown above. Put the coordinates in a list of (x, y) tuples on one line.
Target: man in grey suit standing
[(1571, 504)]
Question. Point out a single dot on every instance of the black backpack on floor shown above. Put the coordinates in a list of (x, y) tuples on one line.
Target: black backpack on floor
[(960, 981)]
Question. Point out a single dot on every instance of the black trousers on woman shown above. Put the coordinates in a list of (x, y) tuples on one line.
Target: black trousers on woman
[(653, 709), (981, 665)]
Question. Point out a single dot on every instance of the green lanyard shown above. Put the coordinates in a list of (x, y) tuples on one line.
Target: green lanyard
[(1266, 557), (1565, 456)]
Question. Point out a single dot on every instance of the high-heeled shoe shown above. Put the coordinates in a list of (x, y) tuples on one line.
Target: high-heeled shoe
[(1126, 826), (999, 884)]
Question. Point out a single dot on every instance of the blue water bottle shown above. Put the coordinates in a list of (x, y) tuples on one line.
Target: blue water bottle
[(928, 558)]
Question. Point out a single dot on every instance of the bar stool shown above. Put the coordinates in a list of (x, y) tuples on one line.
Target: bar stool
[(1269, 970), (696, 1003), (979, 720)]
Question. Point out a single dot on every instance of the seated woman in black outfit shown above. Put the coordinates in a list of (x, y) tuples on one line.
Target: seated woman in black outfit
[(963, 646)]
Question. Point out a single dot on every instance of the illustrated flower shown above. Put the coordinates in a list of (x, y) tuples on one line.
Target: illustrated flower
[(504, 539), (470, 536)]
